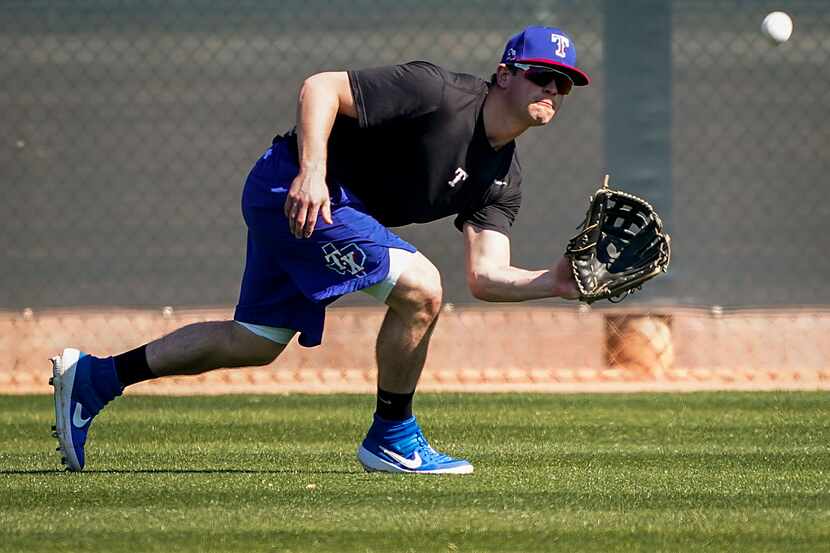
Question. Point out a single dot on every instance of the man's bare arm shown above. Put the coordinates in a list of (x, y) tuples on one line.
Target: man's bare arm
[(491, 277), (322, 97)]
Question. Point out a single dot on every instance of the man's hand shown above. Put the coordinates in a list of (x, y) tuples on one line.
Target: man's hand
[(564, 284), (307, 198)]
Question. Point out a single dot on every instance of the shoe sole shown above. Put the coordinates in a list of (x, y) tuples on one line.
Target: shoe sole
[(63, 378), (373, 463)]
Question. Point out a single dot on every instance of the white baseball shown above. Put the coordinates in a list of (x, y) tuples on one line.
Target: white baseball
[(777, 26)]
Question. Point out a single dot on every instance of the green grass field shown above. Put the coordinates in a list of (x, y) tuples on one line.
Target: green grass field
[(693, 472)]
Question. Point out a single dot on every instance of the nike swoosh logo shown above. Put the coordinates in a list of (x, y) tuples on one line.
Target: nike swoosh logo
[(77, 419), (411, 464)]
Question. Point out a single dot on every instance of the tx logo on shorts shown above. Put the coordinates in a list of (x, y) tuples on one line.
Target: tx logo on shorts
[(349, 260)]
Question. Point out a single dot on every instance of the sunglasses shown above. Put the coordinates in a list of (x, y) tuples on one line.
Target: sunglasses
[(543, 76)]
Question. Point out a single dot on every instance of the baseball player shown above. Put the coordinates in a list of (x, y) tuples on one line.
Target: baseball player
[(372, 149)]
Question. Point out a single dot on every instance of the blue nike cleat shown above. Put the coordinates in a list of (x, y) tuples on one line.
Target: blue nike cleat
[(83, 385), (400, 446)]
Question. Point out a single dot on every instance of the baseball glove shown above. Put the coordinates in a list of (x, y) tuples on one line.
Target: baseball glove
[(620, 246)]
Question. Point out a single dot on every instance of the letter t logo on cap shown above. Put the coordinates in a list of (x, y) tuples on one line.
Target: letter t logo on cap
[(562, 44)]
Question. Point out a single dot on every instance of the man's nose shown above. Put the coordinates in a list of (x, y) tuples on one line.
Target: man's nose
[(551, 88)]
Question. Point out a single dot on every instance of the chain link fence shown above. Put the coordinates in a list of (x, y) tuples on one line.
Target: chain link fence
[(129, 127)]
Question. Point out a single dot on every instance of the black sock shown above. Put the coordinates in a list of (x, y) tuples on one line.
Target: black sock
[(132, 366), (394, 407)]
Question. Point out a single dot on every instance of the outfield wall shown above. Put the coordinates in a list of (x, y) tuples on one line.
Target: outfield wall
[(567, 349), (131, 127)]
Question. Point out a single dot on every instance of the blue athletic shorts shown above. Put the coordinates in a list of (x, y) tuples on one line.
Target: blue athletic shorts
[(288, 282)]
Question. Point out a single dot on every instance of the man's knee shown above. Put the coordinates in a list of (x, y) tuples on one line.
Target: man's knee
[(251, 349), (418, 292)]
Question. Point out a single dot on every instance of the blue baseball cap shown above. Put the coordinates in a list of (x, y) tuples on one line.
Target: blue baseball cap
[(548, 47)]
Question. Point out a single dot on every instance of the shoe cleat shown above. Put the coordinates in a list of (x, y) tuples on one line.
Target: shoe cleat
[(83, 386), (400, 446)]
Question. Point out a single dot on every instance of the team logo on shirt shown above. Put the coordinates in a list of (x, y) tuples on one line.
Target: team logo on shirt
[(460, 175), (348, 260)]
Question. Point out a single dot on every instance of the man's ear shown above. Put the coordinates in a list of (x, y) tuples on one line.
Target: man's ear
[(503, 75)]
